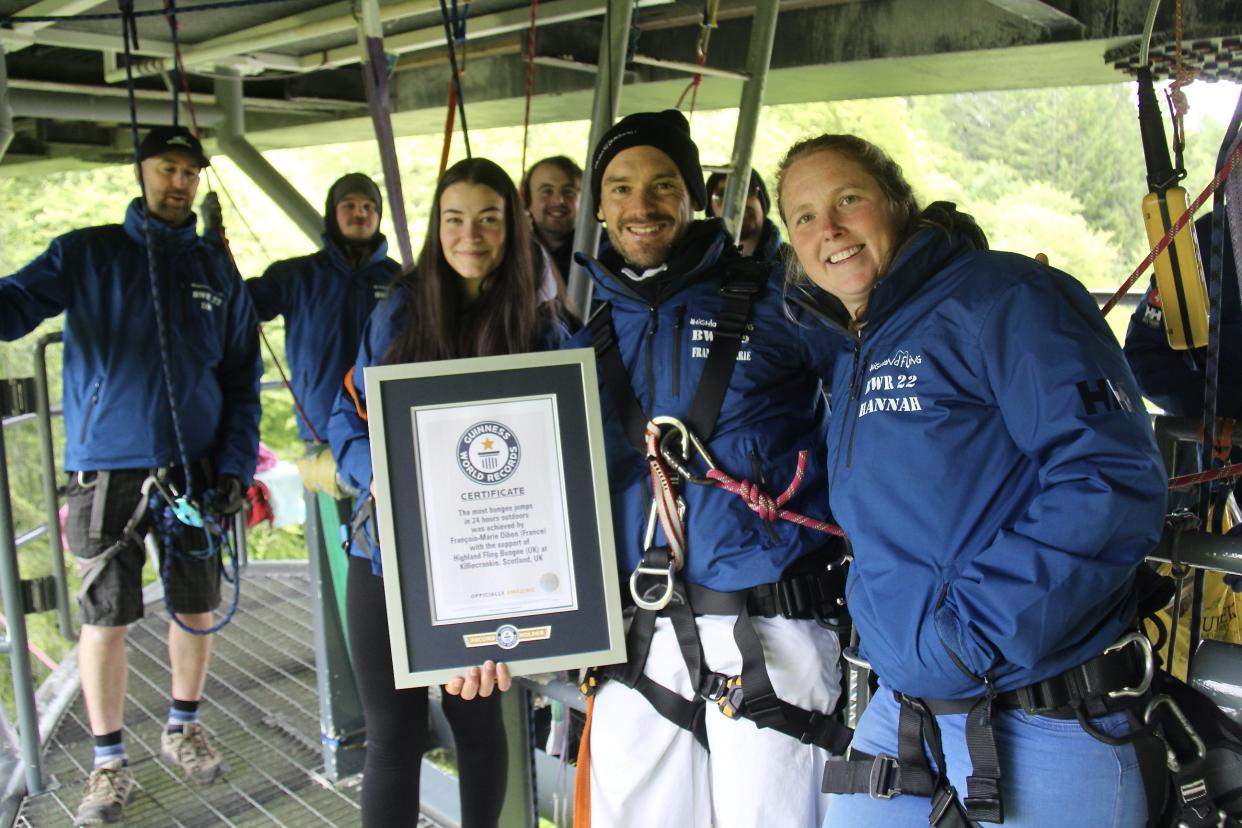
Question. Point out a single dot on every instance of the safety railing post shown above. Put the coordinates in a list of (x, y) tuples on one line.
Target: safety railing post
[(51, 498), (608, 80), (19, 654), (758, 56)]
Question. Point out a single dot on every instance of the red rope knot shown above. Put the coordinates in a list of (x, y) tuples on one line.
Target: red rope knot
[(758, 500)]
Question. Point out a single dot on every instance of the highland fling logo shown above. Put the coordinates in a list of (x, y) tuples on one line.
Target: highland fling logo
[(488, 453)]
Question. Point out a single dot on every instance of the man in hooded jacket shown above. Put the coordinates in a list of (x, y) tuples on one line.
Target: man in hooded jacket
[(119, 436), (326, 299)]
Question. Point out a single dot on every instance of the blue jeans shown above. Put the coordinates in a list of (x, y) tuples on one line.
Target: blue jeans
[(1052, 772)]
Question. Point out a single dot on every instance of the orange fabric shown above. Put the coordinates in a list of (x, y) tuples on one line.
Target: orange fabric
[(359, 405), (582, 779), (1224, 438)]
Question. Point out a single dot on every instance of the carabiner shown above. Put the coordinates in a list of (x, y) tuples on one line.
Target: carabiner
[(689, 440), (1149, 664)]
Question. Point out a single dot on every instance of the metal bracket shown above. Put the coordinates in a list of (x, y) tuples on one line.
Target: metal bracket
[(39, 594), (17, 396)]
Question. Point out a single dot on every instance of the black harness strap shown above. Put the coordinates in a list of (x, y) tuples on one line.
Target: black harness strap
[(737, 295)]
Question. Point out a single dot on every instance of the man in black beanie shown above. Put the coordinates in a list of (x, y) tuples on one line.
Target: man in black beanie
[(759, 237), (326, 298), (689, 329)]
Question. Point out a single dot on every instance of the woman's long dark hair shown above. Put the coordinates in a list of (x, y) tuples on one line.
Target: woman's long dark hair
[(507, 317)]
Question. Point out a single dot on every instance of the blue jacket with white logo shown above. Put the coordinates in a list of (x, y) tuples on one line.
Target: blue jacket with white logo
[(347, 431), (115, 402), (992, 466), (326, 302), (1173, 379), (772, 410)]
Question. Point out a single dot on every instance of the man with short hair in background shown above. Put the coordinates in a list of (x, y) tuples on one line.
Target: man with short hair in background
[(550, 192), (759, 237), (123, 436)]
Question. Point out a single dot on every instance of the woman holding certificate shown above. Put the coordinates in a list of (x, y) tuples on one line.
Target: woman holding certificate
[(481, 288)]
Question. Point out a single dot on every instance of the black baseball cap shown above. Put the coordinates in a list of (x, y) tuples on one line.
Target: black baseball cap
[(164, 139)]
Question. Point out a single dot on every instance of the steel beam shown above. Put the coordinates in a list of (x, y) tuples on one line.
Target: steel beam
[(232, 142), (51, 500), (612, 49), (484, 25), (18, 655), (6, 112), (758, 57)]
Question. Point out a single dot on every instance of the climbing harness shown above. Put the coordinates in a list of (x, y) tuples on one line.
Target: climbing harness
[(812, 588)]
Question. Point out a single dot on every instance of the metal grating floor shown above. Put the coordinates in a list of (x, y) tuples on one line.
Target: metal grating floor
[(260, 708)]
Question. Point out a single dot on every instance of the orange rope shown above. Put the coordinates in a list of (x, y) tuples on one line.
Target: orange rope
[(582, 777), (448, 127), (530, 79)]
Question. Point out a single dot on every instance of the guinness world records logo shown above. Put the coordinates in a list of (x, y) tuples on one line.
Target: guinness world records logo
[(488, 453)]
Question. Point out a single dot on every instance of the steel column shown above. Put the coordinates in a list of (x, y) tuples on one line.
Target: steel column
[(6, 112), (51, 499), (232, 142), (19, 656), (759, 55), (608, 81), (341, 726)]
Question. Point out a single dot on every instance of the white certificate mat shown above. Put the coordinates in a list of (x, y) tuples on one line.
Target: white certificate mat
[(495, 525)]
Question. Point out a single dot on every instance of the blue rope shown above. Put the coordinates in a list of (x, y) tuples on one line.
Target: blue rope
[(170, 527), (170, 13), (455, 33)]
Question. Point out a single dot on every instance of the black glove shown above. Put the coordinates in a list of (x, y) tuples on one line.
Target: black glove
[(227, 498), (213, 216)]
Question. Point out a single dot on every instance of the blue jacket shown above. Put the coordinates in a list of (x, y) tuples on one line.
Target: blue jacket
[(1173, 379), (115, 403), (347, 432), (326, 302), (772, 409), (993, 467)]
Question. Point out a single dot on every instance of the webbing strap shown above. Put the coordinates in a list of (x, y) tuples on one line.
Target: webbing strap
[(737, 295), (99, 504), (616, 378), (983, 796)]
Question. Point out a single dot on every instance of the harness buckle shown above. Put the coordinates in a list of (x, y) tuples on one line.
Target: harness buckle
[(1149, 664), (712, 687), (639, 596), (881, 784), (732, 699)]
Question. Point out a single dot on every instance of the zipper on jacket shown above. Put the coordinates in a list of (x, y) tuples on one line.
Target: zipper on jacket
[(849, 401), (856, 385), (90, 408), (756, 474), (651, 334), (679, 321), (957, 661)]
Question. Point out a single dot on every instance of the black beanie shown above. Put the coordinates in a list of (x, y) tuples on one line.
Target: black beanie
[(667, 131), (714, 180), (343, 186)]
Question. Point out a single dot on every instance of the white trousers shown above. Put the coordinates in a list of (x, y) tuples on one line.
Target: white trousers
[(646, 771)]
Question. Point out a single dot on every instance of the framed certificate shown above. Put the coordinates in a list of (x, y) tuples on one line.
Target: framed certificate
[(492, 507)]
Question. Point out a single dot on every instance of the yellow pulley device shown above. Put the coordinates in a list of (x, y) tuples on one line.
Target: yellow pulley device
[(1179, 275)]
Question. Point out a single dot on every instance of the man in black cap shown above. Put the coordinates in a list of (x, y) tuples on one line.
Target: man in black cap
[(721, 653), (326, 298), (759, 237), (127, 439)]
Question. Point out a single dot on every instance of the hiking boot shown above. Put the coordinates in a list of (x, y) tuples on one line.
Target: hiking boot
[(191, 751), (108, 788)]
